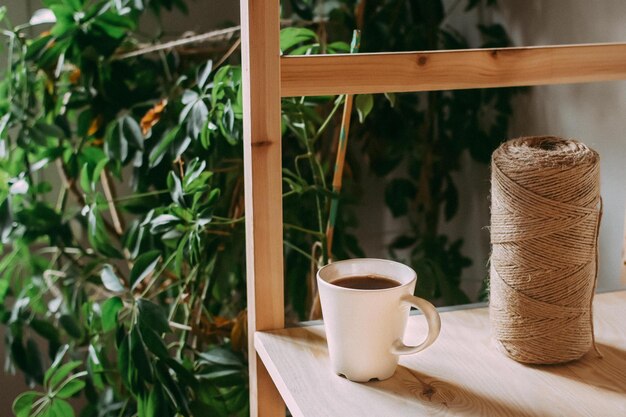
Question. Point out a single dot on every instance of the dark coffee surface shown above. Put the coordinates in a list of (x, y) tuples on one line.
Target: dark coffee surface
[(366, 282)]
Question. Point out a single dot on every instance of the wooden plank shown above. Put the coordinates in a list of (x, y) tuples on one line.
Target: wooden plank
[(450, 70), (260, 27), (461, 374)]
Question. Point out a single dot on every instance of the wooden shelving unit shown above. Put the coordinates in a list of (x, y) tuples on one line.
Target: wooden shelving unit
[(461, 374), (296, 357)]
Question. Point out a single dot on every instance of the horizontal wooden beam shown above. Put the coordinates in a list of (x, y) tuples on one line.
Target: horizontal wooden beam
[(318, 75)]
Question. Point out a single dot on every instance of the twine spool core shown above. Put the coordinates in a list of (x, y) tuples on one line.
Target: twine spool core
[(545, 215)]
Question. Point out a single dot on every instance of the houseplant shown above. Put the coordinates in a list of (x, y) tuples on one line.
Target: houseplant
[(122, 213)]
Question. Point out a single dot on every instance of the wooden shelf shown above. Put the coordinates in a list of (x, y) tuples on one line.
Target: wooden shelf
[(462, 374), (316, 75)]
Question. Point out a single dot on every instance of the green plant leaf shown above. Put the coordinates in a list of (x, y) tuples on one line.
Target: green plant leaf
[(451, 202), (398, 193), (60, 408), (154, 342), (157, 153), (85, 181), (41, 16), (224, 377), (199, 115), (184, 375), (205, 134), (110, 281), (176, 189), (6, 220), (4, 290), (116, 143), (70, 388), (57, 362), (144, 266), (23, 403), (71, 325), (364, 104), (163, 222), (36, 47), (180, 254), (221, 356), (189, 97), (97, 172), (65, 22), (76, 5), (55, 375), (155, 403), (98, 236), (131, 131), (292, 36), (427, 274), (391, 98), (338, 47), (140, 362), (49, 129), (110, 308), (45, 329), (172, 387), (35, 366), (494, 36), (124, 364), (471, 4), (114, 25), (152, 316), (203, 74)]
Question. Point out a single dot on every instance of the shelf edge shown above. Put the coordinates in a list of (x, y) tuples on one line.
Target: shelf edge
[(317, 75), (280, 384)]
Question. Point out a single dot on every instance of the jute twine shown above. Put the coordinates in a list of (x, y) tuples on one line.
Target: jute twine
[(545, 215)]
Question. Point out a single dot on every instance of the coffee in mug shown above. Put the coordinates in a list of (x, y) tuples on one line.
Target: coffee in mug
[(367, 282)]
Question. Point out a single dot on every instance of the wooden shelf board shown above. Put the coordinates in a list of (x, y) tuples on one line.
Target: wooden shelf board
[(317, 75), (462, 374)]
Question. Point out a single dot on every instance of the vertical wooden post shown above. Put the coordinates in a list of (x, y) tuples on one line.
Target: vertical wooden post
[(260, 31), (623, 269)]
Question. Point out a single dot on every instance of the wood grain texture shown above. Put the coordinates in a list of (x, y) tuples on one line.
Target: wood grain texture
[(450, 70), (260, 27), (461, 374)]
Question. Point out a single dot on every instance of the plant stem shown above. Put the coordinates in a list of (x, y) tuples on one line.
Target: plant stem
[(316, 181), (181, 292), (205, 291), (109, 193), (300, 251), (158, 274), (29, 174), (226, 220), (332, 113), (140, 195), (216, 34), (228, 53), (40, 405), (302, 229), (123, 410), (71, 185)]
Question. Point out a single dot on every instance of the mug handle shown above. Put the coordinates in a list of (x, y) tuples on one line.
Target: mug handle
[(434, 326)]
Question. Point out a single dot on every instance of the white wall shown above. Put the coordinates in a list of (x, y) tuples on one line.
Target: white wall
[(592, 113)]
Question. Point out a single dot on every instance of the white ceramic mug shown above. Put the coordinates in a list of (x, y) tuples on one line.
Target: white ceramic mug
[(364, 328)]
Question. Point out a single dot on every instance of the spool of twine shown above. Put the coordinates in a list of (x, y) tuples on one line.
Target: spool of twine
[(545, 215)]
